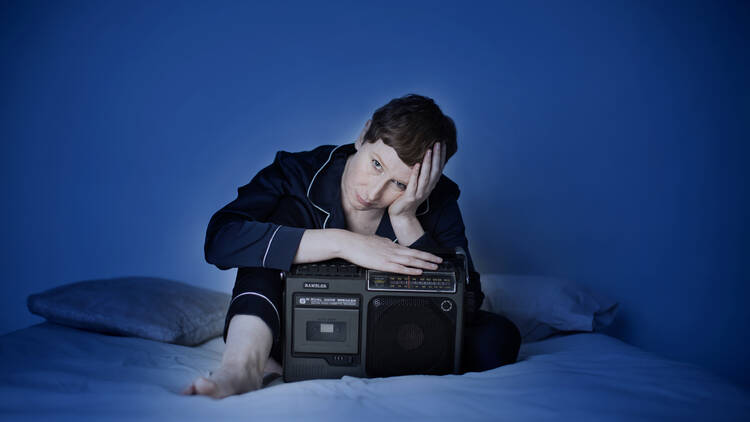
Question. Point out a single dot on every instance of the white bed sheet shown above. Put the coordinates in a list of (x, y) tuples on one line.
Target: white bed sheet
[(51, 372)]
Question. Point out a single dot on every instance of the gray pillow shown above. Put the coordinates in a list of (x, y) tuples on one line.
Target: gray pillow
[(543, 306), (147, 307)]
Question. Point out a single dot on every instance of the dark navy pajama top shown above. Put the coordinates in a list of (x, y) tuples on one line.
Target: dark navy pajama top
[(241, 235)]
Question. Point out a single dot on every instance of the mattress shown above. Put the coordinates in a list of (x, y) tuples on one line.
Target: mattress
[(53, 372)]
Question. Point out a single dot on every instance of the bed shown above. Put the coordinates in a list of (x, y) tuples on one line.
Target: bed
[(52, 371)]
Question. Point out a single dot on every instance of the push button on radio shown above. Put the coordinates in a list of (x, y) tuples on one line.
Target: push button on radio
[(342, 360)]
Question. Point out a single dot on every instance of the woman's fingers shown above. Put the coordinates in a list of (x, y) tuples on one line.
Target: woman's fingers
[(411, 261), (444, 154), (412, 271), (411, 188), (437, 165), (437, 161), (402, 269), (425, 256), (424, 174), (414, 258), (393, 257)]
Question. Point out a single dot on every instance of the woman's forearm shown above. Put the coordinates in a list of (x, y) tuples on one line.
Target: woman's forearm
[(320, 245)]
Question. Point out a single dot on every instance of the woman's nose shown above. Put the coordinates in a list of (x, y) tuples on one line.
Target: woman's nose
[(375, 191)]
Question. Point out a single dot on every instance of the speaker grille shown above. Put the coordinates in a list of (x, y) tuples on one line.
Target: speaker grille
[(409, 335)]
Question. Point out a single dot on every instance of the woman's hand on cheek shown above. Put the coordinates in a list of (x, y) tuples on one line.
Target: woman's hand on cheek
[(424, 176)]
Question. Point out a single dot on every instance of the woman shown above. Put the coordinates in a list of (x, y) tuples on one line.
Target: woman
[(331, 202)]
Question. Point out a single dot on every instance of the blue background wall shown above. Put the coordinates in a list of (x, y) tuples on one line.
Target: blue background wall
[(601, 141)]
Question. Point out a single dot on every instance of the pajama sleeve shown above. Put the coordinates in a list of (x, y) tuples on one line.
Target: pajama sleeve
[(239, 234)]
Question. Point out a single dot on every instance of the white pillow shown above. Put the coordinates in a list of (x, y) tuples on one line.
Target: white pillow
[(542, 306)]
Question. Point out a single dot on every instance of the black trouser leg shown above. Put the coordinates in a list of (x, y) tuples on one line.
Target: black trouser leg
[(259, 291), (490, 341)]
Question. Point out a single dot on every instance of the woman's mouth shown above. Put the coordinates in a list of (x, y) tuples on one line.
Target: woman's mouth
[(363, 202)]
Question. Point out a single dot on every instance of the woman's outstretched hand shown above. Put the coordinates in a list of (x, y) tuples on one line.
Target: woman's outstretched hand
[(380, 253)]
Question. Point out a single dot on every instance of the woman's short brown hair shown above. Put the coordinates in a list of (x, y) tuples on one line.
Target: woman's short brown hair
[(411, 125)]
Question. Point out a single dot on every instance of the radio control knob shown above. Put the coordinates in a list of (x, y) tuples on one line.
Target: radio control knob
[(446, 305)]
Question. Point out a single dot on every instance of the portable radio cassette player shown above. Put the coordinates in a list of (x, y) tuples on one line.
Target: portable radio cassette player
[(342, 319)]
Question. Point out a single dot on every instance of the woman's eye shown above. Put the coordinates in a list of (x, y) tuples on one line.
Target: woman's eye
[(376, 163), (400, 185)]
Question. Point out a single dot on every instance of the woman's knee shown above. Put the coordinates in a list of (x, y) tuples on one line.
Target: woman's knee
[(510, 331), (266, 281), (492, 340), (511, 339)]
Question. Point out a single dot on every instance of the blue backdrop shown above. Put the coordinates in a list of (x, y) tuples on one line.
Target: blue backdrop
[(600, 141)]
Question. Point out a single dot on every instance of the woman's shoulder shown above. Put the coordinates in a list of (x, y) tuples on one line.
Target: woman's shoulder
[(302, 164), (445, 190), (308, 160), (445, 194), (306, 156)]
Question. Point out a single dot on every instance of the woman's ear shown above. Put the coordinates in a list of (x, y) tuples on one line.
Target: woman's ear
[(361, 137)]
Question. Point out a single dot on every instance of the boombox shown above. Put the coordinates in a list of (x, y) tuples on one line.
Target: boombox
[(342, 319)]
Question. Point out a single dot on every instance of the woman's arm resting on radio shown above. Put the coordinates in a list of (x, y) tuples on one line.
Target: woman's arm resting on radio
[(372, 251)]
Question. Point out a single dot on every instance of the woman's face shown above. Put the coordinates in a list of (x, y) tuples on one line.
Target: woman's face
[(373, 177)]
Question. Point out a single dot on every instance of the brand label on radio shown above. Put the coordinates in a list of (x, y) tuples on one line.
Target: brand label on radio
[(315, 285), (328, 301)]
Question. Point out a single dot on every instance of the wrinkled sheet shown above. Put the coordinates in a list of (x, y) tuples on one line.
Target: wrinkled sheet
[(52, 372)]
